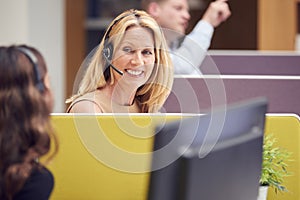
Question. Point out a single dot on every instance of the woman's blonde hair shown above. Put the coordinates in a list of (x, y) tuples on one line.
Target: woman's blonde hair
[(151, 95)]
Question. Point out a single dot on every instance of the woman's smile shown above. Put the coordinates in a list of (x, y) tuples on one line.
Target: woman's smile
[(132, 72)]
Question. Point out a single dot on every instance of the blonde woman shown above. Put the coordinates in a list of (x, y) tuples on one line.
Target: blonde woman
[(131, 70)]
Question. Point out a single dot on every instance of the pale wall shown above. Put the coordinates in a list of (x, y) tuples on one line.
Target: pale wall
[(41, 24)]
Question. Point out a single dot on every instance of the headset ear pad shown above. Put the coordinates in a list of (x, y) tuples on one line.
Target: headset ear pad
[(108, 51), (107, 54)]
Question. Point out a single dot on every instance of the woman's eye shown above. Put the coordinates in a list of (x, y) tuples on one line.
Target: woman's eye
[(127, 49), (147, 52)]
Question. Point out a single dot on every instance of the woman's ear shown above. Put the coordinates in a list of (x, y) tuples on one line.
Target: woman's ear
[(47, 82), (48, 96)]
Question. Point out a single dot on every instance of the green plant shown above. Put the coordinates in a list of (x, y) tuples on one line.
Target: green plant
[(274, 165)]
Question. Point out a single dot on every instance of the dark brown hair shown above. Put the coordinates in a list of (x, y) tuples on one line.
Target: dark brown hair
[(25, 129)]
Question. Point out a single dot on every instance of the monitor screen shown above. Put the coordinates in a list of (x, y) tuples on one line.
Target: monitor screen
[(213, 156)]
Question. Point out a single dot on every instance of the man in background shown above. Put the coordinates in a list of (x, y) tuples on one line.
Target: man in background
[(173, 16)]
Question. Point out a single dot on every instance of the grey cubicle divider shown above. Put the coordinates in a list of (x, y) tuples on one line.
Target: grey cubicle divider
[(283, 93), (244, 75), (252, 62)]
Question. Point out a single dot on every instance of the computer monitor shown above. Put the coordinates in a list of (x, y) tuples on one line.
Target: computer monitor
[(196, 158)]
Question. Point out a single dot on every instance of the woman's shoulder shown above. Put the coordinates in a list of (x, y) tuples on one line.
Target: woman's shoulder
[(38, 186), (86, 103)]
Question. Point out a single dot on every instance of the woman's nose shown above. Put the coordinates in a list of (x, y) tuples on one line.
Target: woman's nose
[(137, 59)]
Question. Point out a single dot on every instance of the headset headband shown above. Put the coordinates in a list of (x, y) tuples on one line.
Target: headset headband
[(34, 61), (132, 12)]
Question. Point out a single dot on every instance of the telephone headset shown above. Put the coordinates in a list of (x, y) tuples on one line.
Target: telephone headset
[(39, 83), (108, 46)]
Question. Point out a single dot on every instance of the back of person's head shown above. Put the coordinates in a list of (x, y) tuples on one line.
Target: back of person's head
[(25, 129), (99, 74)]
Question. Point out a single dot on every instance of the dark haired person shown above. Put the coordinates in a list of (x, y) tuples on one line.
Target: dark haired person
[(25, 131)]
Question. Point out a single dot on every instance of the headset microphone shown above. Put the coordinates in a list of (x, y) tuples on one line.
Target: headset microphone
[(107, 55)]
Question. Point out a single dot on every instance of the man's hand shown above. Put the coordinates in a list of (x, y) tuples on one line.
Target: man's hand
[(217, 12)]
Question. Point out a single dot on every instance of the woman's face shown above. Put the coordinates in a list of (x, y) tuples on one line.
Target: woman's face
[(135, 57)]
